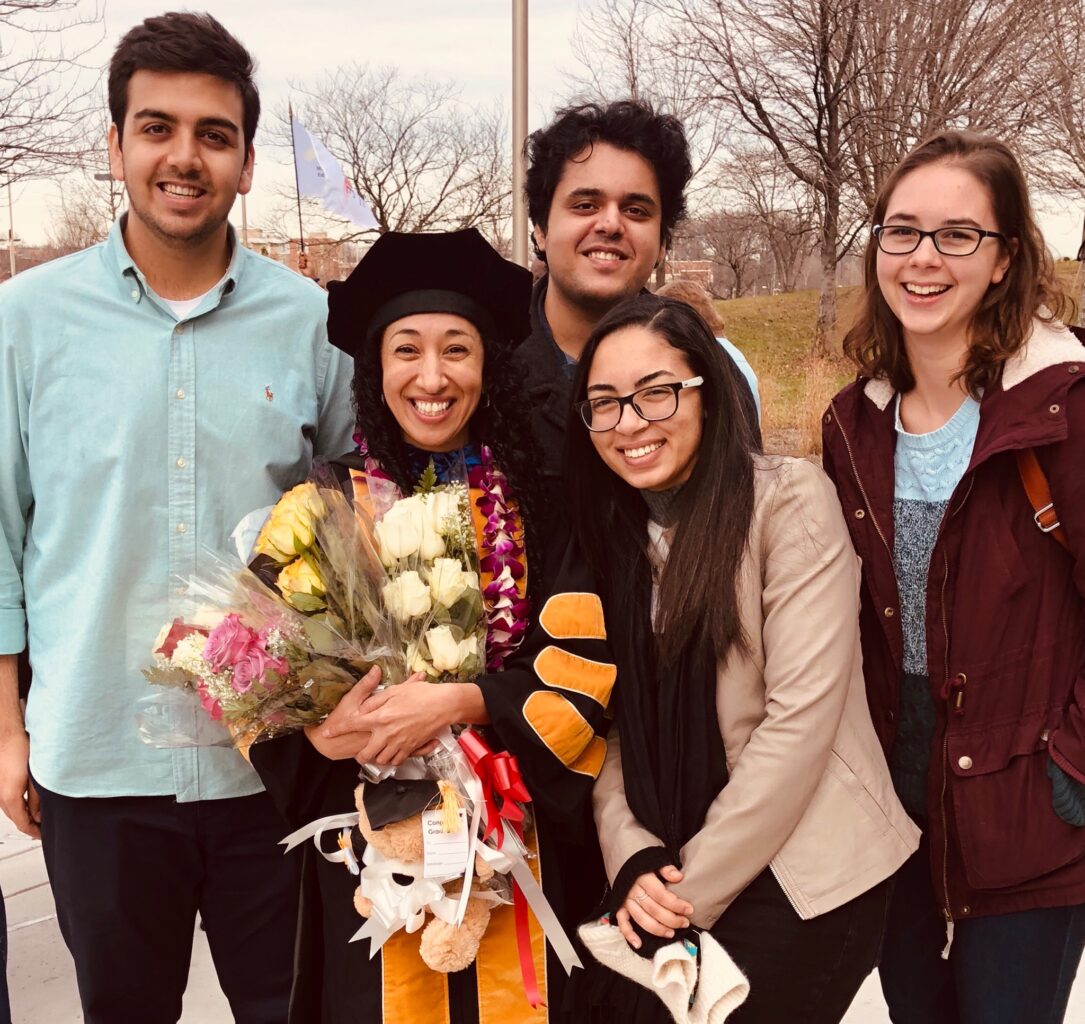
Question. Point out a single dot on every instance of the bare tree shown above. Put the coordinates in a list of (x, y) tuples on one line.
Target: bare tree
[(84, 213), (926, 65), (616, 44), (734, 240), (411, 149), (840, 89), (784, 208), (785, 67), (44, 96), (1056, 135)]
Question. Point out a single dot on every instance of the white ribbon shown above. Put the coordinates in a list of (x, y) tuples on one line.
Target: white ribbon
[(512, 862), (315, 829), (398, 906), (469, 782), (403, 906)]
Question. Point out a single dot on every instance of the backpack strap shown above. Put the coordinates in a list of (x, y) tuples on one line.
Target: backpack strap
[(1039, 495)]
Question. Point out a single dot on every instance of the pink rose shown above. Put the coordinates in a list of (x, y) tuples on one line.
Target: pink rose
[(252, 666), (228, 642)]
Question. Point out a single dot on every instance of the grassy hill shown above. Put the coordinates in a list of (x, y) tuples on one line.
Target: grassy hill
[(776, 334)]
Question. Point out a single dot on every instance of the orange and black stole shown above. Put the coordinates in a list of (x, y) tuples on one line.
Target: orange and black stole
[(491, 991)]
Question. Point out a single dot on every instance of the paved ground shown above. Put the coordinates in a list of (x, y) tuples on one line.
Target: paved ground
[(42, 980)]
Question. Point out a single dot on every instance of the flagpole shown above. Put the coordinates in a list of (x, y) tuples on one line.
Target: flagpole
[(519, 130), (297, 185)]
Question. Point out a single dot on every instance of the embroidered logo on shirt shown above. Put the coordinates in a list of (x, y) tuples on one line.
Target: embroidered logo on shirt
[(268, 393)]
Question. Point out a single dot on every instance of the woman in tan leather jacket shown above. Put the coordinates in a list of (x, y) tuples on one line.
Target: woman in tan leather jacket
[(744, 792)]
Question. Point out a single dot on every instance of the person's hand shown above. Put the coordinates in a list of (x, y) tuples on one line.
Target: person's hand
[(18, 798), (654, 907), (335, 737), (404, 720)]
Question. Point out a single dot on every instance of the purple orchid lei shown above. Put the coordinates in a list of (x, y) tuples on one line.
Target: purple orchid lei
[(501, 555)]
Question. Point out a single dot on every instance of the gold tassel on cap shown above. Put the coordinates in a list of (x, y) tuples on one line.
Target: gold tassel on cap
[(450, 806)]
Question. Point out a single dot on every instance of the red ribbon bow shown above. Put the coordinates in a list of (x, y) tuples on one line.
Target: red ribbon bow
[(500, 777)]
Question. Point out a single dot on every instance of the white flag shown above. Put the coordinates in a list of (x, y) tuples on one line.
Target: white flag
[(321, 177)]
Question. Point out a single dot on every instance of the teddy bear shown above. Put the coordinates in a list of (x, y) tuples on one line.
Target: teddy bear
[(390, 821)]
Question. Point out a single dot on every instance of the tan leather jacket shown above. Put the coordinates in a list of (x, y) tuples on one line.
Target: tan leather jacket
[(809, 791)]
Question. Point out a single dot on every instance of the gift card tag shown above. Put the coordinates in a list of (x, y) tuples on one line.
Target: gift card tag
[(444, 853)]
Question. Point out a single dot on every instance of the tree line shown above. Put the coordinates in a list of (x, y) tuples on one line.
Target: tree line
[(796, 111)]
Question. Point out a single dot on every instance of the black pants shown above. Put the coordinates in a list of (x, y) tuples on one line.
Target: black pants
[(129, 875), (5, 1005), (800, 972)]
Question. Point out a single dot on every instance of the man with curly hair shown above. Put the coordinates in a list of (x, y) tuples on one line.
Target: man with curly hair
[(605, 188)]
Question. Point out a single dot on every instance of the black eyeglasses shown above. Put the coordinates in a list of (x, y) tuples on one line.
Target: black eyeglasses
[(655, 402), (899, 240)]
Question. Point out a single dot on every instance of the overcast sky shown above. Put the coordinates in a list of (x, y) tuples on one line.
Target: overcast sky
[(468, 41)]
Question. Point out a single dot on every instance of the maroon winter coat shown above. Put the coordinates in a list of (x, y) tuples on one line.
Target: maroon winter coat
[(1005, 627)]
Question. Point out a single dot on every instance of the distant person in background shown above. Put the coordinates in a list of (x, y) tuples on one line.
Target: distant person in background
[(692, 294), (306, 270)]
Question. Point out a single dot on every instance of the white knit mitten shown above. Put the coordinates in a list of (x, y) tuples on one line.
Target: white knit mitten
[(722, 988), (672, 974)]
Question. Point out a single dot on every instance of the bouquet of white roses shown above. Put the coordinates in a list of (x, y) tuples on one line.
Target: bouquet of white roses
[(427, 544)]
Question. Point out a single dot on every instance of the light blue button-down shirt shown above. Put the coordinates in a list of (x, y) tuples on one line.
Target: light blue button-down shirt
[(130, 443)]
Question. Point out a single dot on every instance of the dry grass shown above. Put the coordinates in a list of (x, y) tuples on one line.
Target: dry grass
[(776, 334)]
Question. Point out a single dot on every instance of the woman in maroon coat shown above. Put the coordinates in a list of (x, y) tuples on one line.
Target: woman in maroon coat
[(973, 618)]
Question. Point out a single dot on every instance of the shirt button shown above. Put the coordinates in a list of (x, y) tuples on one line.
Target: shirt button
[(135, 293), (180, 392), (1053, 409), (964, 763), (182, 528), (966, 910), (889, 613), (179, 329), (860, 513), (1074, 368), (181, 463)]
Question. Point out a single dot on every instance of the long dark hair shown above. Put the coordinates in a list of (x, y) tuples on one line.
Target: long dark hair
[(501, 422), (1002, 324), (698, 599)]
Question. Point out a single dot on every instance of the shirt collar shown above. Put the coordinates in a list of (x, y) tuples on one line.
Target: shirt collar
[(538, 302), (128, 267)]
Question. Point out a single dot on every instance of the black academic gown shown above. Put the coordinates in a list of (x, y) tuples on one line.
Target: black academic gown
[(336, 981)]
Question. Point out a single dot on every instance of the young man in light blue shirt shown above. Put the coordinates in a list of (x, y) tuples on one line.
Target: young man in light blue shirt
[(153, 390)]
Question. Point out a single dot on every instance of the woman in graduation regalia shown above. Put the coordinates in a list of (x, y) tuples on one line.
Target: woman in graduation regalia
[(431, 321)]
